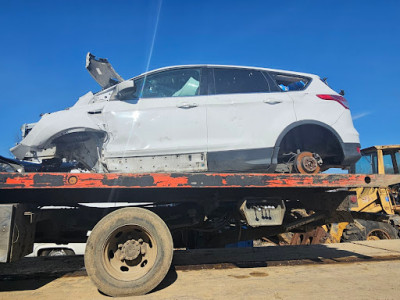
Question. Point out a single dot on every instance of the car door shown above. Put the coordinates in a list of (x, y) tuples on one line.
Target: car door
[(245, 116), (166, 116)]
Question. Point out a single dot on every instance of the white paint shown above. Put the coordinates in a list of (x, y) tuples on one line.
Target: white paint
[(172, 126), (156, 126), (245, 121)]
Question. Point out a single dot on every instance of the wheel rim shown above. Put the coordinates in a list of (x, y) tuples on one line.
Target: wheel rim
[(129, 253), (378, 234), (306, 163)]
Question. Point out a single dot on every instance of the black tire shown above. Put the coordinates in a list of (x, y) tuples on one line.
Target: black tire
[(373, 231), (379, 230), (101, 261)]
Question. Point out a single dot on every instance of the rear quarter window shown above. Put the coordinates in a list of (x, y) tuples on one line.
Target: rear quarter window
[(288, 82)]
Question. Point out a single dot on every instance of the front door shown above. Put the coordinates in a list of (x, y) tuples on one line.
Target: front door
[(163, 128)]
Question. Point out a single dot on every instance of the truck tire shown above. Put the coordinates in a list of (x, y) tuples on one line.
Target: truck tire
[(129, 252), (373, 231)]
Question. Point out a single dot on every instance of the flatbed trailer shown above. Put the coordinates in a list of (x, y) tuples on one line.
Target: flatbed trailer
[(129, 250)]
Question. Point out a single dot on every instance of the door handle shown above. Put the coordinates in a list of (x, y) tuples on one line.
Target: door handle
[(94, 112), (272, 101), (187, 105)]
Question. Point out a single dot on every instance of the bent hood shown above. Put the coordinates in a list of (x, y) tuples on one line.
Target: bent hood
[(102, 71)]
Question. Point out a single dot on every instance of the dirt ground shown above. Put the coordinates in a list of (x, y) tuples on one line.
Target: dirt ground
[(359, 278)]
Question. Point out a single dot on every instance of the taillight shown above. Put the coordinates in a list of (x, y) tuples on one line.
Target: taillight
[(337, 98)]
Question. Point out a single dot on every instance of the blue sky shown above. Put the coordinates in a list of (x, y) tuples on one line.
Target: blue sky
[(356, 44)]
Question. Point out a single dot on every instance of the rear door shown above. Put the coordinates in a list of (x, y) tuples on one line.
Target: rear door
[(245, 115)]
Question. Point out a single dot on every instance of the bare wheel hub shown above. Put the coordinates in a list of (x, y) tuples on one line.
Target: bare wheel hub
[(131, 249), (308, 163)]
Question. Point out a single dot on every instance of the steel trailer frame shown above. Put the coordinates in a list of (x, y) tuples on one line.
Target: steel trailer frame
[(189, 180), (22, 194)]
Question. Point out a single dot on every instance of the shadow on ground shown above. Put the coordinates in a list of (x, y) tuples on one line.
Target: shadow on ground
[(263, 256), (35, 272)]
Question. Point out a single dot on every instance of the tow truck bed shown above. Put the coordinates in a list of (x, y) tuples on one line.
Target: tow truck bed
[(182, 210)]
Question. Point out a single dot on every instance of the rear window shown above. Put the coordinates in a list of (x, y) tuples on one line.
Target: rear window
[(236, 81), (287, 82)]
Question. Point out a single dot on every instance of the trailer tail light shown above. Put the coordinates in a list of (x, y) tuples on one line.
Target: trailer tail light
[(337, 98)]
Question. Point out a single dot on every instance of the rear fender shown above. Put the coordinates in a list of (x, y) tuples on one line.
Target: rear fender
[(292, 126)]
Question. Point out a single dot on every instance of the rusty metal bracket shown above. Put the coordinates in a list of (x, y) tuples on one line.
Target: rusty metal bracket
[(312, 237)]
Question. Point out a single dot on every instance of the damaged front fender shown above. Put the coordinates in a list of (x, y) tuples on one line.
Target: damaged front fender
[(52, 127)]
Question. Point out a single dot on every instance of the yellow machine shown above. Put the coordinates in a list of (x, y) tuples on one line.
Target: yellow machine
[(382, 201)]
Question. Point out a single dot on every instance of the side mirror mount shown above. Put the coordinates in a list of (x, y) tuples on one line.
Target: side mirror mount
[(124, 90)]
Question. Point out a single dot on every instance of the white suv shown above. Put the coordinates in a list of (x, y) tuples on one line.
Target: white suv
[(198, 118)]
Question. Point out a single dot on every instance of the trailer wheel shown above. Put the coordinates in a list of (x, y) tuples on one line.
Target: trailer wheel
[(129, 252)]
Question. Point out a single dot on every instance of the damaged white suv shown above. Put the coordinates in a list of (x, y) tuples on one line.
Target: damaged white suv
[(198, 118)]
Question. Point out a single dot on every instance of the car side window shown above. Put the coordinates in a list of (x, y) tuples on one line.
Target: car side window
[(172, 83), (235, 81), (288, 82)]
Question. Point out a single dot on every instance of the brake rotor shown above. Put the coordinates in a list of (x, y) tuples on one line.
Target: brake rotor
[(306, 163)]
